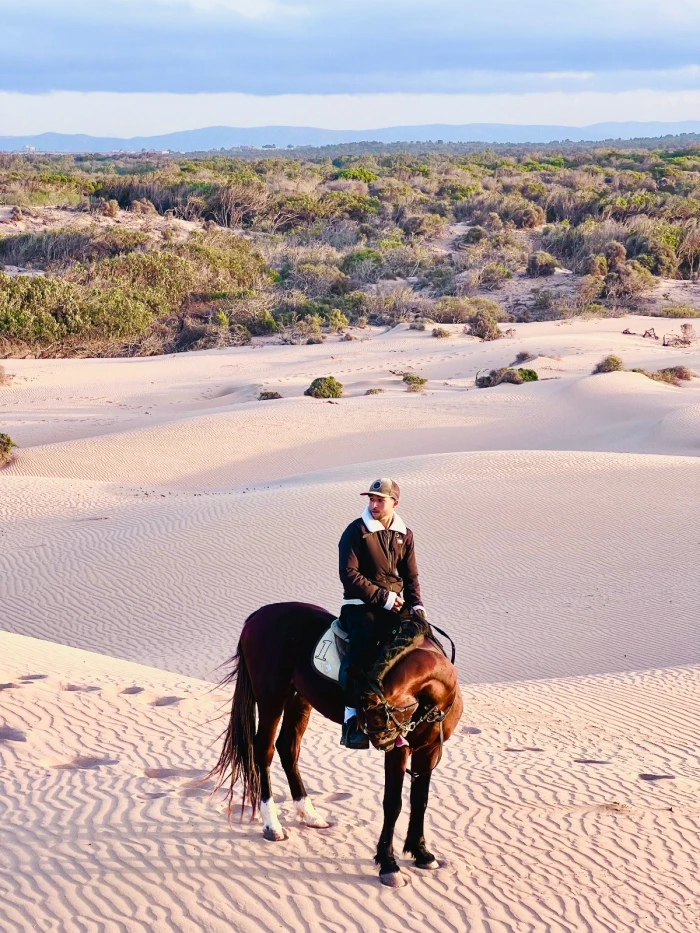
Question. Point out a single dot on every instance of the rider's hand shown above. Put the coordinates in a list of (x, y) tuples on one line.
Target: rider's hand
[(420, 613), (398, 604)]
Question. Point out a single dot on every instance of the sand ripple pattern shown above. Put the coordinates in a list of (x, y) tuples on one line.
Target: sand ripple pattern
[(540, 813)]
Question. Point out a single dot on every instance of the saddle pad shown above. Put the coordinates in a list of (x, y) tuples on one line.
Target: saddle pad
[(326, 659)]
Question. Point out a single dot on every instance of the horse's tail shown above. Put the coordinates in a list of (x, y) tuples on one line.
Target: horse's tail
[(237, 759)]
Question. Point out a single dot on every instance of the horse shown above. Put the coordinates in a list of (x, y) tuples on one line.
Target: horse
[(419, 705)]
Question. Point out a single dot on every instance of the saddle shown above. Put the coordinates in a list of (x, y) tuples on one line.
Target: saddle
[(332, 646), (329, 651)]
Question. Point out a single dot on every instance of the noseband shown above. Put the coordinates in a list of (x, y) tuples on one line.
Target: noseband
[(405, 727)]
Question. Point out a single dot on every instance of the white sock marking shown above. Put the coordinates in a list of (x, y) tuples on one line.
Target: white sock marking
[(308, 813), (268, 811)]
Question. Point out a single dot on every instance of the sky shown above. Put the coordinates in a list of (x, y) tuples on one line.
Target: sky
[(127, 67)]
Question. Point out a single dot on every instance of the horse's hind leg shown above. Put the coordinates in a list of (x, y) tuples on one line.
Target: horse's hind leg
[(296, 719), (264, 750)]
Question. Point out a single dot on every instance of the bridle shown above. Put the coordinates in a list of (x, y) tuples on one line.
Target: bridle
[(404, 727)]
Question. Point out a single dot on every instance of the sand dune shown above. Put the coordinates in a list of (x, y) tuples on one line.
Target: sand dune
[(551, 810), (151, 508)]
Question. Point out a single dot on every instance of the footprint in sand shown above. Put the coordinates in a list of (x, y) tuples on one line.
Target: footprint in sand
[(77, 763), (590, 761), (33, 677), (8, 734), (470, 730), (131, 691), (79, 688), (337, 798), (657, 777), (165, 701), (10, 686), (172, 772), (524, 749)]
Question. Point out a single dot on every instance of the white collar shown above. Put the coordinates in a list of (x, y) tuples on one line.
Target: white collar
[(373, 525)]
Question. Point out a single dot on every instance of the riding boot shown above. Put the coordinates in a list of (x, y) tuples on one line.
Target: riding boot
[(352, 736)]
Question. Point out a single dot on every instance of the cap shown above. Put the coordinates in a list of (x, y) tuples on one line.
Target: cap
[(386, 488)]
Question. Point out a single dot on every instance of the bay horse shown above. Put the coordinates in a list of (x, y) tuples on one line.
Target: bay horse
[(420, 703)]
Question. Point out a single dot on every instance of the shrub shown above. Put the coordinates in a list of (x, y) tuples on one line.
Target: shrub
[(609, 364), (522, 357), (473, 235), (528, 217), (541, 263), (337, 320), (494, 275), (505, 375), (325, 387), (413, 382), (7, 445), (358, 173), (315, 338), (268, 396), (440, 332), (597, 265), (374, 391), (615, 255), (416, 325), (680, 311), (484, 325), (627, 280), (63, 246), (110, 208)]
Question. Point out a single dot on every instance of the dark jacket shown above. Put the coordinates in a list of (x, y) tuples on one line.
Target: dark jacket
[(376, 563)]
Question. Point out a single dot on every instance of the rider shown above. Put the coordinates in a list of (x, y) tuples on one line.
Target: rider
[(380, 581)]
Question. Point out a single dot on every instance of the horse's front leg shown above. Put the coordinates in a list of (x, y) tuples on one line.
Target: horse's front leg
[(264, 750), (395, 763), (422, 763)]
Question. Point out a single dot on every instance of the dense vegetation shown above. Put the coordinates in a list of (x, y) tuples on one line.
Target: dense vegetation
[(302, 248)]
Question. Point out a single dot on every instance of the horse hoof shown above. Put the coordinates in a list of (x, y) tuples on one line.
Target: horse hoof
[(432, 865), (393, 879), (318, 823), (274, 835)]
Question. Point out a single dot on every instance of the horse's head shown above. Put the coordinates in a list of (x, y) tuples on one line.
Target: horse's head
[(419, 701)]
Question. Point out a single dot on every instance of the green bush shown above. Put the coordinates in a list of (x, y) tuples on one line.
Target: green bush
[(46, 310), (362, 258), (336, 320), (325, 387), (484, 325), (440, 332), (680, 311), (7, 445), (416, 325), (494, 275), (506, 375), (672, 375), (358, 173), (541, 263), (374, 391), (413, 382), (609, 364), (268, 396)]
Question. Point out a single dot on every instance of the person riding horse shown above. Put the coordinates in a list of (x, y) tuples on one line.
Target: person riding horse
[(379, 574)]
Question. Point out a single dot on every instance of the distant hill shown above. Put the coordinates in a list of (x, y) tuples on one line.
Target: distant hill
[(228, 137)]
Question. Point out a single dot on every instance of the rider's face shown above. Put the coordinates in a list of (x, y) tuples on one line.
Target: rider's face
[(382, 509)]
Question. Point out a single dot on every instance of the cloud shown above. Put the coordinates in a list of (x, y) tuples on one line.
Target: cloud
[(270, 47)]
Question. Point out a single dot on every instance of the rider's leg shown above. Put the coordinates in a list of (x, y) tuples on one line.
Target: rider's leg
[(358, 622), (296, 719)]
